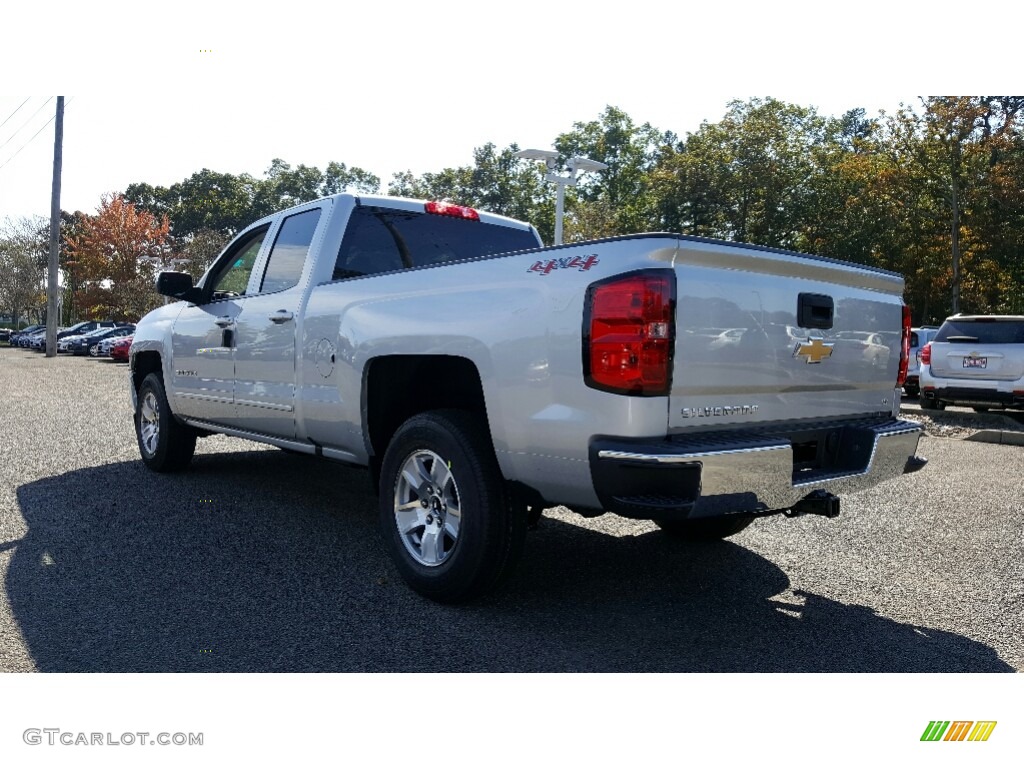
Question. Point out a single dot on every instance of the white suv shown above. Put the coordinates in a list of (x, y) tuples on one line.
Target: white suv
[(975, 360), (918, 338)]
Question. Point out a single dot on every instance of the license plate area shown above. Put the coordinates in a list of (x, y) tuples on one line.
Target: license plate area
[(975, 362)]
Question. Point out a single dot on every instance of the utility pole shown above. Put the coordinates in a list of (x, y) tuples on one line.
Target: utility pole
[(51, 285)]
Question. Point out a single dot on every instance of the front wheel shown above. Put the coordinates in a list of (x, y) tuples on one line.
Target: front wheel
[(165, 444), (707, 529), (445, 511)]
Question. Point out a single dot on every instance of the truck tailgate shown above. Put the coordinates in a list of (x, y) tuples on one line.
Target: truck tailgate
[(746, 353)]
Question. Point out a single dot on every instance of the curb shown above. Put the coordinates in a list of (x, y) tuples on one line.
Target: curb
[(998, 436)]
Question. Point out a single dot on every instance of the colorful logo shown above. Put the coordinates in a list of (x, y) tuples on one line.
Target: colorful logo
[(958, 730), (582, 263)]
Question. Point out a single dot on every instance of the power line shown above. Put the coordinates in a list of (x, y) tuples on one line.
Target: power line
[(34, 135), (14, 112), (26, 123)]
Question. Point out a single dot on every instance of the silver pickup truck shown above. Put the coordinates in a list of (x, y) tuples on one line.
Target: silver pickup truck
[(481, 377)]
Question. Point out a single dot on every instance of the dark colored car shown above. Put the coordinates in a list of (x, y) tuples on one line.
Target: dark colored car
[(15, 340)]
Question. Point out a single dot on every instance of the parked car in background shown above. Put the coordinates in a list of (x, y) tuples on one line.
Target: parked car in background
[(102, 348), (80, 344), (119, 349), (30, 340), (5, 334), (15, 338), (34, 337), (918, 338), (85, 344), (38, 341), (86, 326), (974, 360)]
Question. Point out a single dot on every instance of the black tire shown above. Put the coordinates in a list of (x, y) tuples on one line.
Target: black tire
[(911, 391), (708, 529), (170, 446), (932, 404), (450, 464)]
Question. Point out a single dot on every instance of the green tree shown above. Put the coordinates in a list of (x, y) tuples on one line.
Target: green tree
[(496, 182), (624, 189), (211, 201), (746, 178), (338, 177)]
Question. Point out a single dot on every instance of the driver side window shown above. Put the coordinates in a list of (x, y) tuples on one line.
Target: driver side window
[(234, 277)]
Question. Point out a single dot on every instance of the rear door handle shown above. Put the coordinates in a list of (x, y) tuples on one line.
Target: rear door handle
[(224, 322), (281, 316)]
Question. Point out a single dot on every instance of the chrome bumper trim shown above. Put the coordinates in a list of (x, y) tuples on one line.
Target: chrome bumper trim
[(761, 478)]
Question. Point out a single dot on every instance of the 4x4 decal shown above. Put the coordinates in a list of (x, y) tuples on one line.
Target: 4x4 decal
[(582, 263)]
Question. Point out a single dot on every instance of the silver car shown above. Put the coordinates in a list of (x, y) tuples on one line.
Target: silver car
[(975, 360)]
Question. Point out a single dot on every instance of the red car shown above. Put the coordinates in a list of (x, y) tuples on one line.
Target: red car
[(119, 349)]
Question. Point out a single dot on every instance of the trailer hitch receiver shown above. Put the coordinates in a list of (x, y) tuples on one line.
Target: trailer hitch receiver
[(816, 503)]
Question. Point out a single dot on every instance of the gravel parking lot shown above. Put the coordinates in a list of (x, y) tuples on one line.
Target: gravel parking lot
[(257, 560)]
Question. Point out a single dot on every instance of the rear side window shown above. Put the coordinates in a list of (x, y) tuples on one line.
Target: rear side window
[(982, 331), (384, 239), (288, 256)]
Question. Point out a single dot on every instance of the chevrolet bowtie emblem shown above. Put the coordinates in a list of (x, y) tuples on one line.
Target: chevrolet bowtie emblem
[(815, 350)]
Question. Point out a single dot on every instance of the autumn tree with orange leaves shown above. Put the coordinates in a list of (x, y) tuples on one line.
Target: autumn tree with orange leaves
[(116, 255)]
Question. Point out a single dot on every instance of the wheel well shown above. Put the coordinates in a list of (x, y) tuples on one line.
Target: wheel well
[(143, 364), (398, 387)]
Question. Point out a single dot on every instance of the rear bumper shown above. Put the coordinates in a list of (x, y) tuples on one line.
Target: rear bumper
[(723, 473), (975, 396)]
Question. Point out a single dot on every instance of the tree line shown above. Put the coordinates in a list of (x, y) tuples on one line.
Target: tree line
[(934, 191)]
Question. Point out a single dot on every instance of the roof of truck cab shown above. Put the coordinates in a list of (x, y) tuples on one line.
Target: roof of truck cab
[(416, 206), (402, 204)]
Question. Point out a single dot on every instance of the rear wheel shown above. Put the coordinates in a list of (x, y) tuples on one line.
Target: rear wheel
[(932, 404), (445, 511), (165, 444), (707, 529)]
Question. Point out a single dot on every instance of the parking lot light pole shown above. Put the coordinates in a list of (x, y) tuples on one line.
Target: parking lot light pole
[(574, 164)]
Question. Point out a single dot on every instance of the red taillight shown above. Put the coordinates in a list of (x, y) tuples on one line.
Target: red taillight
[(628, 329), (901, 376), (447, 209), (926, 354)]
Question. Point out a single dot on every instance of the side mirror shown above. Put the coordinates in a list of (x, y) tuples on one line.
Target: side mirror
[(177, 285)]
